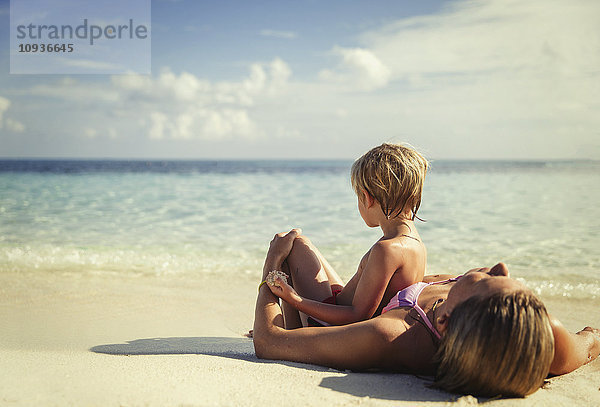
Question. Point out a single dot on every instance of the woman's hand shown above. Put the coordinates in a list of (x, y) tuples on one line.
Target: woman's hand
[(594, 349), (595, 331), (284, 291), (280, 248)]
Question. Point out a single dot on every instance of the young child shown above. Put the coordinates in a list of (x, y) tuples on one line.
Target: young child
[(388, 181)]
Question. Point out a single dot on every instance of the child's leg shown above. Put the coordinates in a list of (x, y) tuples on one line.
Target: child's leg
[(334, 279), (312, 277)]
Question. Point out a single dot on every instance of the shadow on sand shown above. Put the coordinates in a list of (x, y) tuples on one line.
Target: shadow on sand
[(233, 348), (387, 386), (236, 348)]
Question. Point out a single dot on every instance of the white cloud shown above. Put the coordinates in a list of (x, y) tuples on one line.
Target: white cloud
[(360, 69), (492, 74), (173, 106), (486, 36), (288, 35), (90, 132), (14, 126), (341, 113), (91, 64), (158, 124), (75, 91), (186, 107), (222, 123), (280, 73), (207, 124), (9, 123), (4, 105)]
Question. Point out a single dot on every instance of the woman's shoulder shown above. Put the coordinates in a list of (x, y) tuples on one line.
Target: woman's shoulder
[(410, 346)]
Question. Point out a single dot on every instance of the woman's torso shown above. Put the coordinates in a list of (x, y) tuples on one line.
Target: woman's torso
[(413, 344)]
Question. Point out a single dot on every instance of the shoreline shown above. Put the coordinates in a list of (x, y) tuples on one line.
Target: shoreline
[(94, 340)]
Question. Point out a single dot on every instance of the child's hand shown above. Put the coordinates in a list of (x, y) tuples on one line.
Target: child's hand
[(284, 291)]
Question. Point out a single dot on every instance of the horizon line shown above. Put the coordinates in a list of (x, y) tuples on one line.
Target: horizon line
[(41, 158)]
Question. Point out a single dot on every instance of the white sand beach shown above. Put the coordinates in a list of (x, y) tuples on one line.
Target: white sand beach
[(142, 178), (89, 340)]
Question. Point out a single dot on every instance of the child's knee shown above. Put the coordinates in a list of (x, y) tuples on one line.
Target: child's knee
[(301, 243), (302, 248)]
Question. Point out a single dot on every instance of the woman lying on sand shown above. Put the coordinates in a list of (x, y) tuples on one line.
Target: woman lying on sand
[(482, 333)]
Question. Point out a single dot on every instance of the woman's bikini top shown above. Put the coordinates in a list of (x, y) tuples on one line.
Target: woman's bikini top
[(409, 297)]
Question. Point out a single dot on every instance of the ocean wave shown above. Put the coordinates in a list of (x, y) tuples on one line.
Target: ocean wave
[(186, 261), (150, 262), (564, 289)]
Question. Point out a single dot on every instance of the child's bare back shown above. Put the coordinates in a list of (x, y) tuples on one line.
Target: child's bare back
[(401, 260)]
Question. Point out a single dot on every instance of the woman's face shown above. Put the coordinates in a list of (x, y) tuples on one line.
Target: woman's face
[(483, 282)]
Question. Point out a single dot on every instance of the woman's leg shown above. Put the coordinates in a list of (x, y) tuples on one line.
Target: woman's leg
[(291, 316), (312, 276)]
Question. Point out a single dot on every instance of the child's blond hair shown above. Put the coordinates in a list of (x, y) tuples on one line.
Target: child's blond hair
[(393, 175)]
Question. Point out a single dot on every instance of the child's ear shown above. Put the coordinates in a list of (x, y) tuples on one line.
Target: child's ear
[(368, 199)]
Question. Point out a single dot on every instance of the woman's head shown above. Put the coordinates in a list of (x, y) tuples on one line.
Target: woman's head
[(496, 344)]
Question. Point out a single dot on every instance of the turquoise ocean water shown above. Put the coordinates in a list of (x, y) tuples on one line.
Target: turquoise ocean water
[(184, 218)]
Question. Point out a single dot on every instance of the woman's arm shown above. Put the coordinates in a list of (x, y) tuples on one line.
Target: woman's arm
[(572, 351), (357, 346), (372, 282)]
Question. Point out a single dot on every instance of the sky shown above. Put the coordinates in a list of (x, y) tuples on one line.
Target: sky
[(308, 79)]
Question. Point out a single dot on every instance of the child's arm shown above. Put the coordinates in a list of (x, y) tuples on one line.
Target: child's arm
[(572, 351), (383, 261)]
